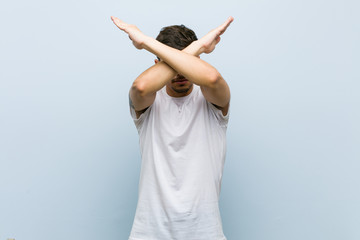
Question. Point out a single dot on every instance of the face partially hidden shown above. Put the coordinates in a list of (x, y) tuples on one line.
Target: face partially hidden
[(179, 86)]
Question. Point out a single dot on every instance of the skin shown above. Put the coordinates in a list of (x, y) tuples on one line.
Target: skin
[(177, 70)]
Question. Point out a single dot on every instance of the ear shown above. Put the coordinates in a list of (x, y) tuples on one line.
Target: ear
[(156, 61)]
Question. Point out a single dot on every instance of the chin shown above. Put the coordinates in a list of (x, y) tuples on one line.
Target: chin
[(182, 89)]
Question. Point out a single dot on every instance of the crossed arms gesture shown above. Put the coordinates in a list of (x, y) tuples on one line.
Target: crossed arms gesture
[(173, 62)]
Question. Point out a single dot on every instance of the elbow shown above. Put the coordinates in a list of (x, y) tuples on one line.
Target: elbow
[(214, 78), (139, 88)]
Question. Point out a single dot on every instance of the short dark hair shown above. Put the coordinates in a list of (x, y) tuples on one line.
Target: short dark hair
[(176, 36)]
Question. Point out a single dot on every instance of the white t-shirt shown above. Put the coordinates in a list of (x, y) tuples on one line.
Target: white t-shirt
[(183, 145)]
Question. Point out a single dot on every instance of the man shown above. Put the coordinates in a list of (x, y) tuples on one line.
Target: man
[(180, 108)]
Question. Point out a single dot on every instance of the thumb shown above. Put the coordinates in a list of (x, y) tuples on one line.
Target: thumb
[(217, 40)]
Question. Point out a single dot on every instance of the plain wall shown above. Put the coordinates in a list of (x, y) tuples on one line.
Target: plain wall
[(69, 155)]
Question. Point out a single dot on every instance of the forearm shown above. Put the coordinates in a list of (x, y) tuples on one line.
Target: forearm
[(145, 86), (213, 86), (157, 76), (185, 62), (153, 79)]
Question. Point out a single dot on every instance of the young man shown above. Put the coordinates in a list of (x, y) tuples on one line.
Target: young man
[(180, 108)]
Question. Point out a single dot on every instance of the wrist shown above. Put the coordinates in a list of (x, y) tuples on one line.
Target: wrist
[(195, 48), (147, 42)]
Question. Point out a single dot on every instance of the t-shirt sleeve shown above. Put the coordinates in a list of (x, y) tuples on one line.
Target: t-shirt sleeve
[(217, 113), (139, 121)]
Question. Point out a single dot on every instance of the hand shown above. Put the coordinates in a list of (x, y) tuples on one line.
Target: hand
[(209, 41), (135, 35)]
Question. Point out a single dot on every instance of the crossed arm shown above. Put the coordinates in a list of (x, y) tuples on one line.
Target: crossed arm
[(173, 61)]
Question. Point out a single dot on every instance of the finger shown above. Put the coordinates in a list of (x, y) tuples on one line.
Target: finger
[(227, 23), (222, 28), (118, 23), (115, 19)]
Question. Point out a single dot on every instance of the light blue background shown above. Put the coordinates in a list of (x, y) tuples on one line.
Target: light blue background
[(69, 151)]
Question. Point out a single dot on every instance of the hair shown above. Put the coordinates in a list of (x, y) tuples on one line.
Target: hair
[(176, 36)]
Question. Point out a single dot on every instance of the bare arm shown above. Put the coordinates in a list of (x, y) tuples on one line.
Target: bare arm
[(145, 86), (213, 86), (184, 62)]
